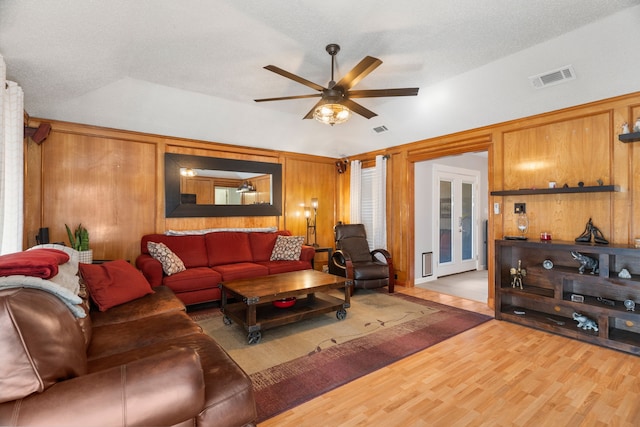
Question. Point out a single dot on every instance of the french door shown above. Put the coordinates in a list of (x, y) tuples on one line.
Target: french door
[(456, 196)]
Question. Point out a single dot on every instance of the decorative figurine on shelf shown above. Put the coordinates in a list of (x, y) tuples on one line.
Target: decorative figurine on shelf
[(584, 322), (624, 274), (590, 231), (586, 262), (630, 305), (625, 128), (517, 274), (636, 127)]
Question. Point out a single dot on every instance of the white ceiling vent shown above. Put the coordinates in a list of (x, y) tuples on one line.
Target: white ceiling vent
[(554, 77), (380, 129)]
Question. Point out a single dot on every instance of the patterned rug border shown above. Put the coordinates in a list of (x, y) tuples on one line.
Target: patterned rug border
[(292, 383)]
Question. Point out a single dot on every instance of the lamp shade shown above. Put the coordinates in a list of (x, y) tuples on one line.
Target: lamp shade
[(331, 114)]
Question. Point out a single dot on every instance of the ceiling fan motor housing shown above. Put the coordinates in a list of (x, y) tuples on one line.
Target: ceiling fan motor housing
[(333, 95)]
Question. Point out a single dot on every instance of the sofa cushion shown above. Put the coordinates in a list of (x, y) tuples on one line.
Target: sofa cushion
[(192, 279), (241, 270), (171, 263), (228, 247), (229, 398), (287, 248), (120, 337), (276, 267), (190, 249), (41, 343), (113, 283), (262, 244), (163, 300)]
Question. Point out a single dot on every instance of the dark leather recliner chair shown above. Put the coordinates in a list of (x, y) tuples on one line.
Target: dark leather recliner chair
[(353, 260)]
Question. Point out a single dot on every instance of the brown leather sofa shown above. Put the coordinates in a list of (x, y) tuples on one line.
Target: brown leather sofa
[(143, 363)]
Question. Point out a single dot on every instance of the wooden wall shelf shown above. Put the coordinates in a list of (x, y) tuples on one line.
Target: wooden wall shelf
[(549, 297), (558, 190), (629, 137)]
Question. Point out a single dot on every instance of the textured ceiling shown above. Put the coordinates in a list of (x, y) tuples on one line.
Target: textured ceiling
[(192, 68)]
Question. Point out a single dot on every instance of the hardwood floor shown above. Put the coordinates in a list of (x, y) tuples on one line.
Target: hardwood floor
[(497, 374)]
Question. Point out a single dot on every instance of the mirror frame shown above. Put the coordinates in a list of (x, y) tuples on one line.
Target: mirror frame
[(174, 209)]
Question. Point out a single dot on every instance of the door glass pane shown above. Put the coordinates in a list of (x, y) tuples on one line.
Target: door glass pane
[(467, 221), (445, 222)]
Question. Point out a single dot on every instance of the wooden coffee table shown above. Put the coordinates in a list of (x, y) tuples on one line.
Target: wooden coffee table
[(256, 312)]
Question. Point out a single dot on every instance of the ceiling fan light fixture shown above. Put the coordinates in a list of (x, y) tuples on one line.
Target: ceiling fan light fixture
[(331, 114)]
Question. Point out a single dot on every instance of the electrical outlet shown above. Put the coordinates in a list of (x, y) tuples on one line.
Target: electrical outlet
[(496, 208), (519, 208)]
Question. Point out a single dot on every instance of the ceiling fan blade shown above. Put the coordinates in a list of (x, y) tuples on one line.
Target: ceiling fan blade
[(357, 108), (310, 113), (283, 98), (359, 72), (293, 77), (377, 93)]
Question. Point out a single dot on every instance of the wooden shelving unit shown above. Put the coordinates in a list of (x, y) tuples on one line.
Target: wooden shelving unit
[(558, 190), (546, 297)]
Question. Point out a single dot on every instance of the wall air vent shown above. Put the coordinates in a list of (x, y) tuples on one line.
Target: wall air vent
[(554, 77), (380, 129)]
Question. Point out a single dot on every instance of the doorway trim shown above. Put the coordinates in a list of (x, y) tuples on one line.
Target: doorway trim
[(449, 147)]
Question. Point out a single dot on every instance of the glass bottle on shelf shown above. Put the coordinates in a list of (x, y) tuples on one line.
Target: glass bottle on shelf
[(523, 224)]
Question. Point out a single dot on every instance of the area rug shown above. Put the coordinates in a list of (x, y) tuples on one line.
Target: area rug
[(295, 363)]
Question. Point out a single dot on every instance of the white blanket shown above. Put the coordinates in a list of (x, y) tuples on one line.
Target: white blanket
[(217, 230), (70, 299)]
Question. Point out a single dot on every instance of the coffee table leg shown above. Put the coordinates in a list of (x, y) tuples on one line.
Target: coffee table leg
[(347, 294), (223, 305)]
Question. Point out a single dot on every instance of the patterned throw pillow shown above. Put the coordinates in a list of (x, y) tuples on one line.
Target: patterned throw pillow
[(171, 263), (287, 248)]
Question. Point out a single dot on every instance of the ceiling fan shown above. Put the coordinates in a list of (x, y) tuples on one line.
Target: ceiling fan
[(336, 100)]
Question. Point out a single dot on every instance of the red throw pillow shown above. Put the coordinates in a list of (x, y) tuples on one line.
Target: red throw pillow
[(113, 283)]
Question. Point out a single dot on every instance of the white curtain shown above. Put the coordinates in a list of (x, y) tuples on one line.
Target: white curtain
[(356, 190), (11, 164), (379, 238)]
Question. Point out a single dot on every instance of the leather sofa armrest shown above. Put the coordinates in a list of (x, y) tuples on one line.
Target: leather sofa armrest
[(383, 252), (341, 264), (151, 268), (162, 389)]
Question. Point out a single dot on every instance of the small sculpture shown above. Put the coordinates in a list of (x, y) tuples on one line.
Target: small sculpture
[(590, 231), (636, 127), (624, 274), (625, 127), (584, 322), (630, 305), (517, 274), (606, 301), (585, 262)]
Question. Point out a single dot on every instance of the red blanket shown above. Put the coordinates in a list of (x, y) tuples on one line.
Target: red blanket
[(41, 263)]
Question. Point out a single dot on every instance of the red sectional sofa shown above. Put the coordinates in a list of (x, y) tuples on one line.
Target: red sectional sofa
[(216, 257)]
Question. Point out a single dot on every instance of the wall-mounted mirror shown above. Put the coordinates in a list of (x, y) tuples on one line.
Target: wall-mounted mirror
[(197, 186)]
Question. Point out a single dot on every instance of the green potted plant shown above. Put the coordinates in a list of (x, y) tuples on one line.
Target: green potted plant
[(79, 240)]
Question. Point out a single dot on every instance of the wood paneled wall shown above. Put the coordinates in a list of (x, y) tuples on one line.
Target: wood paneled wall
[(567, 146), (112, 182)]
